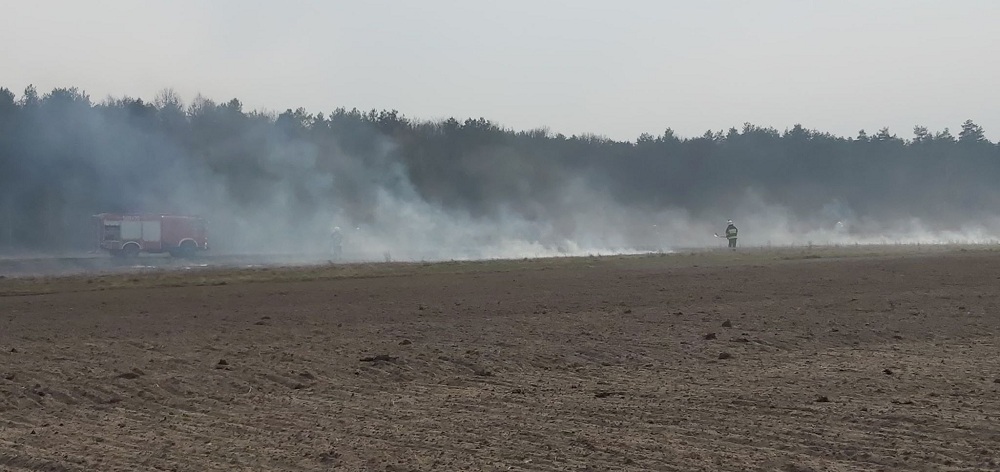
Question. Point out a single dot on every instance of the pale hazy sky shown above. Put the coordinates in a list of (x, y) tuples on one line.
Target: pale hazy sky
[(616, 68)]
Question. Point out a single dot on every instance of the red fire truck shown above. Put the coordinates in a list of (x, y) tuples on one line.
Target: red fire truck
[(127, 235)]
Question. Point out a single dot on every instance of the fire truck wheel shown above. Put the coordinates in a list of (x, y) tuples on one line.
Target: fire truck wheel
[(130, 251), (187, 250)]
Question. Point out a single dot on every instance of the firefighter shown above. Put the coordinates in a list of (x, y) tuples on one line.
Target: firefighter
[(336, 241), (731, 232)]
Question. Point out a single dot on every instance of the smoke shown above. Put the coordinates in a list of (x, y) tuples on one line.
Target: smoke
[(835, 223), (279, 185)]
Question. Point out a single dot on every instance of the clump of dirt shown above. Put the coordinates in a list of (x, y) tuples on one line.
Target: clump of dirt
[(725, 355), (606, 394), (727, 324), (380, 358), (329, 456), (132, 375), (710, 336)]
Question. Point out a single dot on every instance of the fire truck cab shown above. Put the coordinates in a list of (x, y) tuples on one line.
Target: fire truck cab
[(128, 235)]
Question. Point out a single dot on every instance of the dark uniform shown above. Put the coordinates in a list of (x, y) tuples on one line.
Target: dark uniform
[(731, 232)]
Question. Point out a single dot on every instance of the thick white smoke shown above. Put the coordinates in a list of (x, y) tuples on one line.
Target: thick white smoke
[(583, 220)]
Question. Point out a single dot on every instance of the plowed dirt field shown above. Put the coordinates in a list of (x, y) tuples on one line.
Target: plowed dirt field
[(794, 360)]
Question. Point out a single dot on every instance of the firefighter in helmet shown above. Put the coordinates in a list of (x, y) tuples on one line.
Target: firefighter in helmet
[(731, 232), (336, 241)]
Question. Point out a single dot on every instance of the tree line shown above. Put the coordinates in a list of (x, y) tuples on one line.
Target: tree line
[(64, 157)]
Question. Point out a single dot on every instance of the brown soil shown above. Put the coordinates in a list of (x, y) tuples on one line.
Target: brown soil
[(698, 362)]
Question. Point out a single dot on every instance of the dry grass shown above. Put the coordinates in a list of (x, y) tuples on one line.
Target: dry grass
[(209, 276)]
